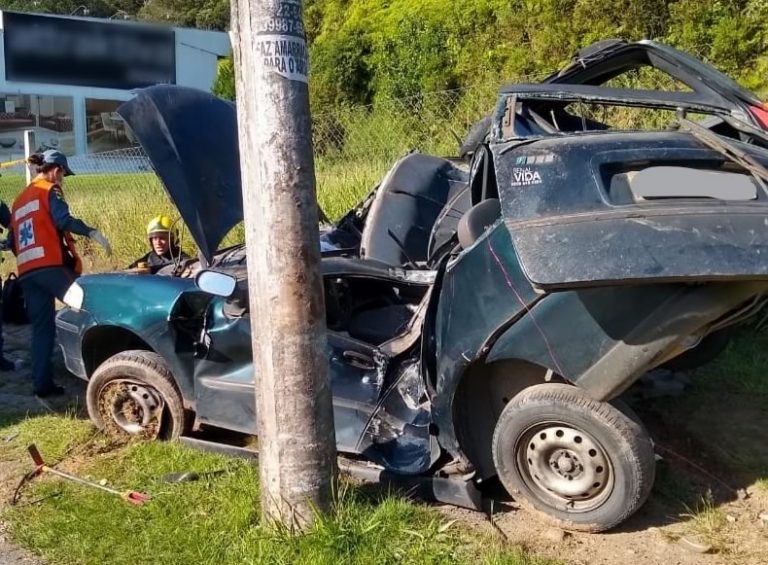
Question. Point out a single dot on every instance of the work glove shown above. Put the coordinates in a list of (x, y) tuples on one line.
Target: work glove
[(99, 238)]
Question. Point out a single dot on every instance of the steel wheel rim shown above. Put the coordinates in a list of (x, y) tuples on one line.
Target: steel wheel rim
[(131, 407), (564, 466)]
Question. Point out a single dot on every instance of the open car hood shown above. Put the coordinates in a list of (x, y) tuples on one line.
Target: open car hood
[(190, 137)]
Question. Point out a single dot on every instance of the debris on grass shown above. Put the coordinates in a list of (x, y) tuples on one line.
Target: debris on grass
[(695, 544), (707, 525)]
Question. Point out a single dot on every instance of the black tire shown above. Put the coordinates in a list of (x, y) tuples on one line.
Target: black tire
[(130, 375), (475, 136), (709, 348), (607, 454)]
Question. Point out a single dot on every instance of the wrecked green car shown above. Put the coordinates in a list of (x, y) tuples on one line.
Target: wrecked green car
[(483, 316)]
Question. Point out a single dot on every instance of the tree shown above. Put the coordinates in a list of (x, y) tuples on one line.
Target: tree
[(96, 8), (206, 14), (224, 85)]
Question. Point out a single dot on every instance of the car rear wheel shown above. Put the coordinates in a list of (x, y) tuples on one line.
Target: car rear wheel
[(133, 394), (704, 352), (584, 463)]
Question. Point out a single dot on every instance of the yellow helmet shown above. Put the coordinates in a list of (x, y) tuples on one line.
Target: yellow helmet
[(159, 224)]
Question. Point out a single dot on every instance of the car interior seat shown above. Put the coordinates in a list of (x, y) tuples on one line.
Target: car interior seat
[(486, 208), (380, 324), (477, 220), (399, 224)]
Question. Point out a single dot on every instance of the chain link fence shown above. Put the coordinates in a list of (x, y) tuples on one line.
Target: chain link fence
[(433, 123), (355, 146)]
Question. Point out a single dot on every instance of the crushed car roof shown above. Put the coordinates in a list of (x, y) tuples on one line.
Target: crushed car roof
[(618, 96), (599, 62)]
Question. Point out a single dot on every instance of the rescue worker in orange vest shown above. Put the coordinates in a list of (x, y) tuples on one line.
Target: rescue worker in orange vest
[(41, 237)]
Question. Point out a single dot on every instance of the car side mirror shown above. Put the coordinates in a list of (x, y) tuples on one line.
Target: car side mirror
[(216, 283)]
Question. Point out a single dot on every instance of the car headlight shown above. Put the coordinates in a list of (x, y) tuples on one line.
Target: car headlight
[(74, 296)]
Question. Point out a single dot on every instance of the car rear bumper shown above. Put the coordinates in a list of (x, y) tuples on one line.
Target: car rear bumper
[(71, 326)]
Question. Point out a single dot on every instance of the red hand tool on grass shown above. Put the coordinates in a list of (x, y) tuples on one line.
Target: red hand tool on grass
[(131, 496)]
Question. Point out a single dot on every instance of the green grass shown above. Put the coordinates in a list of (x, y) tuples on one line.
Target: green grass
[(741, 368), (708, 521), (213, 520), (724, 414)]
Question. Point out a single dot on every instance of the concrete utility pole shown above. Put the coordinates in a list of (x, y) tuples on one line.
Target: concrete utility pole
[(297, 448)]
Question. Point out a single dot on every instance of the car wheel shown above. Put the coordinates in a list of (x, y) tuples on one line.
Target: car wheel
[(710, 347), (584, 463), (133, 394), (475, 137)]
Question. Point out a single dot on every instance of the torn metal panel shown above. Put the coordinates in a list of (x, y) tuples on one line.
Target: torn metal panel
[(398, 434), (662, 329), (601, 61)]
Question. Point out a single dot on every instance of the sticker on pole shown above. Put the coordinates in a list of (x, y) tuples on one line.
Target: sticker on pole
[(285, 55), (280, 40)]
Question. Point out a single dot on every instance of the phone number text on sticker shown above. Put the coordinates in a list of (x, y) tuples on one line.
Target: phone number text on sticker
[(525, 176)]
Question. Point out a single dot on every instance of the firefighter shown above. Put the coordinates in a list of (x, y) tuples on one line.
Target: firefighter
[(41, 237), (164, 246)]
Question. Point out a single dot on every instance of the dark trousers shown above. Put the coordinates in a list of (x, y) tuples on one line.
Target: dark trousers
[(2, 338), (41, 287)]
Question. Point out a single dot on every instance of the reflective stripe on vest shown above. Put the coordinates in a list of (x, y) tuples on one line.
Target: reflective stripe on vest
[(30, 255), (28, 208)]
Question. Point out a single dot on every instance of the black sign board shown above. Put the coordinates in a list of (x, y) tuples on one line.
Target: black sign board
[(87, 53)]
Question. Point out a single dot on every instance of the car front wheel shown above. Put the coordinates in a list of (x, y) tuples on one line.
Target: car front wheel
[(582, 462), (133, 394)]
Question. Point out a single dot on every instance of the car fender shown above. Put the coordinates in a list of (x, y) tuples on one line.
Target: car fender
[(144, 306)]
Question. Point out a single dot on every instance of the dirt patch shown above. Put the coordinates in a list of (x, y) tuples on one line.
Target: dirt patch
[(10, 553)]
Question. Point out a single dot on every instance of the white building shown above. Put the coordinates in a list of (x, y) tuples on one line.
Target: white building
[(63, 77)]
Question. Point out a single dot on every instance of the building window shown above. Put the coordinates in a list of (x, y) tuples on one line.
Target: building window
[(50, 117), (106, 129)]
